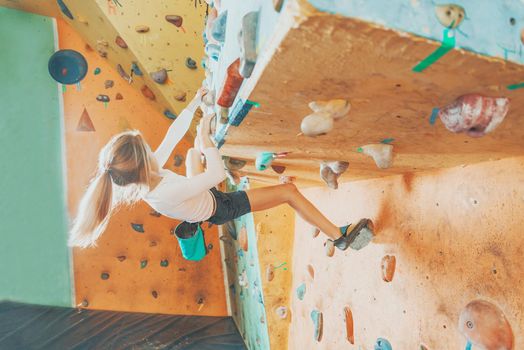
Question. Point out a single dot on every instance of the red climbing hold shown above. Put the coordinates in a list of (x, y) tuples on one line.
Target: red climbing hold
[(349, 325), (474, 114), (85, 123), (120, 42), (231, 85), (146, 91)]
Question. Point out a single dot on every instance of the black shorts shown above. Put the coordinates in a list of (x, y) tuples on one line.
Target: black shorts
[(229, 206)]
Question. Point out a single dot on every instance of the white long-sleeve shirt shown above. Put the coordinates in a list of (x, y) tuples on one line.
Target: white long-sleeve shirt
[(180, 197)]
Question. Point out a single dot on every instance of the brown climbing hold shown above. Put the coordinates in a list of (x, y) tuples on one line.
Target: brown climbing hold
[(388, 265), (181, 97), (242, 239), (311, 271), (119, 96), (104, 276), (279, 169), (142, 29), (159, 76), (270, 272), (153, 244), (485, 326), (85, 123), (120, 42), (315, 231), (108, 84), (277, 5), (154, 294), (146, 91), (121, 258), (175, 19), (84, 303), (330, 248), (349, 325), (155, 213)]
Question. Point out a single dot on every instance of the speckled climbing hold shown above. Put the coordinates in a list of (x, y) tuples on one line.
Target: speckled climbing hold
[(330, 248), (285, 179), (138, 227), (381, 153), (337, 108), (382, 344), (181, 97), (301, 291), (270, 272), (143, 263), (64, 9), (474, 114), (108, 84), (170, 114), (142, 29), (120, 42), (103, 98), (175, 20), (164, 263), (231, 85), (331, 171), (388, 266), (277, 5), (104, 276), (119, 96), (350, 335), (450, 15), (242, 238), (123, 73), (178, 160), (191, 63), (84, 303), (160, 76), (135, 69), (146, 91), (248, 44), (154, 294), (318, 324), (85, 123), (218, 28), (121, 258), (315, 231), (315, 124), (485, 326), (97, 71), (233, 163), (311, 271), (281, 312)]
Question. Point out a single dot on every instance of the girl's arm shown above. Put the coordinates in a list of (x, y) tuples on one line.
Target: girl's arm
[(177, 130)]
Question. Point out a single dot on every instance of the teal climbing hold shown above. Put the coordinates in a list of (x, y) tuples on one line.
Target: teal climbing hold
[(170, 114), (388, 140), (138, 227), (143, 264), (383, 344), (97, 71), (469, 346), (433, 116), (515, 86), (135, 69), (164, 263), (264, 160), (316, 316), (301, 291)]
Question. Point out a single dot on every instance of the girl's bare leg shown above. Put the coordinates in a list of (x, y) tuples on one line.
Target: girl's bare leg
[(269, 197)]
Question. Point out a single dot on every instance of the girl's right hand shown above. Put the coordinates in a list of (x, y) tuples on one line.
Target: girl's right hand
[(201, 93)]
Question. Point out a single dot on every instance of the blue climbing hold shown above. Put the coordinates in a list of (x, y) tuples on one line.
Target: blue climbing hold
[(64, 9), (213, 51), (383, 344), (135, 69), (67, 67), (170, 114), (218, 32), (138, 227), (434, 115)]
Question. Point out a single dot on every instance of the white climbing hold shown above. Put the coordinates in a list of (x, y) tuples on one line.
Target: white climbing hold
[(337, 108), (315, 124), (382, 154)]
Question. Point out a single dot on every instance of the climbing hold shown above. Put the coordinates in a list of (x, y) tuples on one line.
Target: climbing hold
[(423, 347), (337, 108), (135, 69), (84, 303), (159, 76), (142, 29), (331, 171), (277, 5), (120, 42), (474, 114), (146, 91), (315, 231), (108, 84), (362, 232), (152, 244), (224, 115), (383, 344), (316, 124), (181, 97), (175, 19), (279, 169), (67, 67), (64, 9), (301, 291), (97, 71), (104, 276), (154, 294), (231, 85), (349, 325), (179, 160), (119, 96), (210, 245), (281, 312), (190, 63), (121, 258), (243, 280), (138, 227), (318, 324), (123, 73), (218, 27), (209, 98), (284, 179), (382, 154), (248, 44), (170, 114), (388, 265), (164, 263), (101, 48), (330, 248), (155, 213), (143, 263), (242, 238), (233, 164), (85, 123), (213, 51), (311, 271), (485, 326), (103, 98), (270, 272), (450, 15)]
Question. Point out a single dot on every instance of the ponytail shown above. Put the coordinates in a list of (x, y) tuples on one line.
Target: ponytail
[(93, 212)]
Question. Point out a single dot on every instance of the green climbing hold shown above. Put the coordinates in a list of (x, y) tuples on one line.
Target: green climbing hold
[(164, 263), (138, 227), (143, 264), (97, 71)]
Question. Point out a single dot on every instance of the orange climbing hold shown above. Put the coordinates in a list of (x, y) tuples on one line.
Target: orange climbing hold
[(311, 271), (349, 325), (389, 263), (85, 123), (242, 239)]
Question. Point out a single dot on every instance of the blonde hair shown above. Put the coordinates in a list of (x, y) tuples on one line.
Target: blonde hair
[(124, 169)]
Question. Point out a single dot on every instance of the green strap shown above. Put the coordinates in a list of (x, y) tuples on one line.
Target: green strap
[(448, 43), (515, 86)]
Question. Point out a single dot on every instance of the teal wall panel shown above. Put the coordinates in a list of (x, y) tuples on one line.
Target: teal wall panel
[(34, 258)]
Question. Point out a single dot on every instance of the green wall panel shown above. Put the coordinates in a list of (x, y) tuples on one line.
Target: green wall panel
[(34, 258)]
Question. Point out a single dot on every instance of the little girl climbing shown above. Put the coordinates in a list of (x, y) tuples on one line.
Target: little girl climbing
[(129, 171)]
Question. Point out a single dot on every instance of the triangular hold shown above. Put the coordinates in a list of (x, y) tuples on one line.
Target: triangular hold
[(85, 123), (123, 124)]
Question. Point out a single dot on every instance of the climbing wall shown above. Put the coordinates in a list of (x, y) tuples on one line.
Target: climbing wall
[(456, 237), (129, 270)]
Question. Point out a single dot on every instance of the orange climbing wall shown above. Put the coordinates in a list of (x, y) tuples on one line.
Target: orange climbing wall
[(456, 235), (182, 287)]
